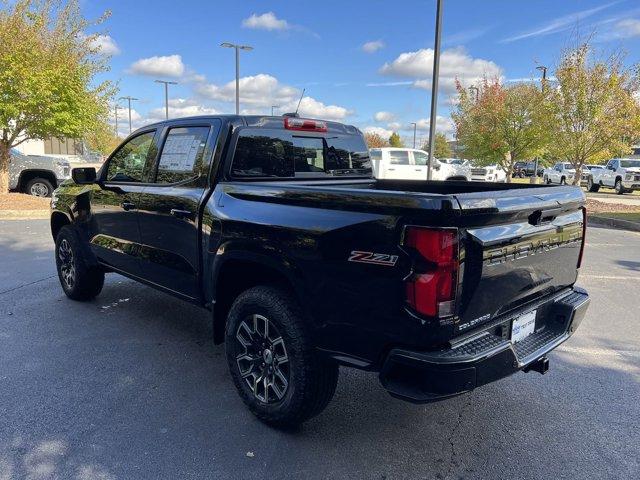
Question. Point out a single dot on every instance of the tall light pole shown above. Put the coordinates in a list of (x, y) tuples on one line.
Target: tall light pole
[(237, 48), (415, 126), (543, 69), (272, 107), (434, 87), (116, 107), (166, 95), (129, 99), (473, 88)]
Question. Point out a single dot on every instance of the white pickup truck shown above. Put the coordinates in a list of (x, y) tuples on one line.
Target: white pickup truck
[(561, 173), (488, 173), (36, 175), (621, 174), (391, 163)]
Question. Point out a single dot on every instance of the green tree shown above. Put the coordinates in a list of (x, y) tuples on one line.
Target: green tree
[(502, 124), (47, 75), (441, 148), (595, 114), (395, 140)]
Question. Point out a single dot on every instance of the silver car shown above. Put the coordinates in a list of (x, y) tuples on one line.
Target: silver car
[(36, 175)]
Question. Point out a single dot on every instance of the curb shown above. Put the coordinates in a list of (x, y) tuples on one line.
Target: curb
[(613, 223), (24, 214)]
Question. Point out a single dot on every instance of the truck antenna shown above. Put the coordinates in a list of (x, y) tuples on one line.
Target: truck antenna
[(303, 90)]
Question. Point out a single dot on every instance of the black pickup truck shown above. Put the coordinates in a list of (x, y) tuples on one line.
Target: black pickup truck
[(307, 263)]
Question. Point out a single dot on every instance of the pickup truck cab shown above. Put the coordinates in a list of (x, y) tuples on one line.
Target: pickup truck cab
[(391, 163), (621, 174), (307, 263), (561, 173), (36, 175)]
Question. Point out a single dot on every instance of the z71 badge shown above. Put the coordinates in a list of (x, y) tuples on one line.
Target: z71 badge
[(374, 258)]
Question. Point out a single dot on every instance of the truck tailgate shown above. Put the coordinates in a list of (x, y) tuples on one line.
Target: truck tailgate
[(516, 245)]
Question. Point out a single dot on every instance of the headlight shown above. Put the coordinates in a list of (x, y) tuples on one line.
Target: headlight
[(628, 176)]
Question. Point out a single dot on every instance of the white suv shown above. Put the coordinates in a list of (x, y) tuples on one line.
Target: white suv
[(411, 164), (36, 174)]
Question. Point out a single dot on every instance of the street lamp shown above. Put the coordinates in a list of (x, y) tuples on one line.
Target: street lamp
[(415, 126), (434, 87), (129, 99), (116, 107), (272, 107), (237, 49), (543, 69), (166, 95)]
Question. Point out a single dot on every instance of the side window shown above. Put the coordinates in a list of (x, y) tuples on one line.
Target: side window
[(614, 164), (399, 157), (375, 154), (183, 154), (127, 164), (420, 158)]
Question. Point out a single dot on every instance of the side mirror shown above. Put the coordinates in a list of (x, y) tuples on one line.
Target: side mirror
[(84, 176)]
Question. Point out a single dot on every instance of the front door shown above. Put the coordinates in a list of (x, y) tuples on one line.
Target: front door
[(398, 166), (168, 207), (420, 164), (115, 236)]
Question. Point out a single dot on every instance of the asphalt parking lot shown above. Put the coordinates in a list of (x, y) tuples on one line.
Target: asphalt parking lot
[(130, 386)]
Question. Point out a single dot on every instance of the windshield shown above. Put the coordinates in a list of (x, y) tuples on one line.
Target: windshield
[(279, 153), (630, 163), (595, 167), (568, 166)]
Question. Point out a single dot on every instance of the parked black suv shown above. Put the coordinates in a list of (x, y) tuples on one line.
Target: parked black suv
[(527, 169), (306, 262)]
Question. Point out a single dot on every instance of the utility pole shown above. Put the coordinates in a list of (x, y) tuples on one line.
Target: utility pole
[(166, 95), (129, 99), (415, 126), (534, 177), (272, 107), (543, 69), (116, 107), (434, 87), (237, 49), (475, 89)]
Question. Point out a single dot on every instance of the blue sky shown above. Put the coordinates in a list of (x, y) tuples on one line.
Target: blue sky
[(366, 63)]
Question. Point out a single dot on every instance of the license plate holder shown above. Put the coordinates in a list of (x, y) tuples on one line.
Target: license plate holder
[(523, 326)]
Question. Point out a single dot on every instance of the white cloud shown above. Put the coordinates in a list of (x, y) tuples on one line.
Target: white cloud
[(628, 28), (266, 21), (180, 107), (384, 116), (106, 45), (455, 63), (443, 124), (259, 92), (159, 66), (373, 46), (559, 24), (383, 132), (394, 126)]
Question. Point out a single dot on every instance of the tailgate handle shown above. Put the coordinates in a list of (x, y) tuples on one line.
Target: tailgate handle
[(544, 216)]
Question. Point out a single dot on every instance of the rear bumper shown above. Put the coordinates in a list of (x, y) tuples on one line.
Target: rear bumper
[(422, 377)]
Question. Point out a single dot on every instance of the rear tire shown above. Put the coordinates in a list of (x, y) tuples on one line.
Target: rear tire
[(592, 187), (39, 187), (275, 368), (618, 186), (563, 181), (79, 280)]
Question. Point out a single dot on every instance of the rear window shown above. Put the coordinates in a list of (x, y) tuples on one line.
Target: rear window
[(399, 157), (630, 163), (278, 153)]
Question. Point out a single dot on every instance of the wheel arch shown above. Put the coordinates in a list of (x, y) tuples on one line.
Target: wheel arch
[(27, 175), (58, 220), (238, 272)]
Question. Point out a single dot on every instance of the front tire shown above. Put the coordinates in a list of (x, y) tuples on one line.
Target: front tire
[(79, 280), (618, 187), (592, 187), (39, 187), (274, 366)]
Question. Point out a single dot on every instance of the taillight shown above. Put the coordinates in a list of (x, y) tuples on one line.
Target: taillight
[(304, 124), (584, 235), (431, 289)]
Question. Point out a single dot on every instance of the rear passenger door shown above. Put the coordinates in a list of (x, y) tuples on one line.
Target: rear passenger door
[(168, 209), (399, 166)]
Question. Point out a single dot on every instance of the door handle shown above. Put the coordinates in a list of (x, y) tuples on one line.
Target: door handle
[(181, 213), (128, 206), (391, 169)]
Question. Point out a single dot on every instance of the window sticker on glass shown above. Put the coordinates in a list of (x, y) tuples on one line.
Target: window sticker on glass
[(179, 153)]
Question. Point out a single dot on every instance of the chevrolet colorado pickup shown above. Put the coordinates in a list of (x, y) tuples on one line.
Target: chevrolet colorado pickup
[(307, 263)]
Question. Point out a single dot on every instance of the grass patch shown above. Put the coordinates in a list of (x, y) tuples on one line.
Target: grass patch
[(628, 216)]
